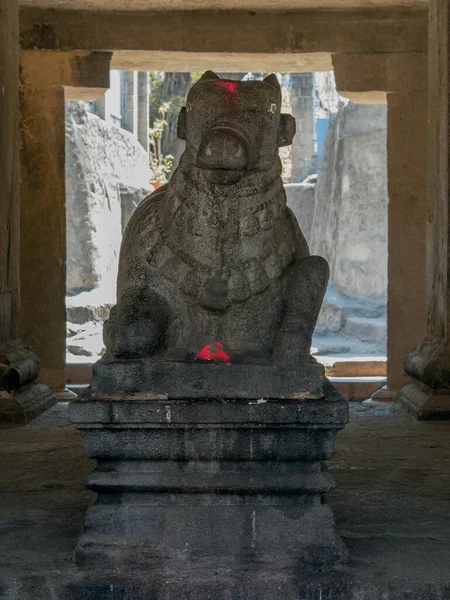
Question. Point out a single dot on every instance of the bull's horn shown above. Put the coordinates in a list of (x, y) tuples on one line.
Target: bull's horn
[(208, 76), (272, 80)]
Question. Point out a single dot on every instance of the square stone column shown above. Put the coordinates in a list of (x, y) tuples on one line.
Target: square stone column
[(130, 101), (401, 81), (303, 107), (144, 109), (21, 397), (428, 394), (42, 221), (48, 79), (407, 163)]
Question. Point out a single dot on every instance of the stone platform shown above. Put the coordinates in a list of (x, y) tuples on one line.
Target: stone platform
[(192, 483), (392, 507), (181, 379)]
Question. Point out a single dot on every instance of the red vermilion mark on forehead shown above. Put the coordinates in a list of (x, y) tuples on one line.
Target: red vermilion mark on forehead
[(231, 88)]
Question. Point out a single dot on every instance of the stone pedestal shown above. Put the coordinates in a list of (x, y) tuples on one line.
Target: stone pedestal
[(209, 452), (192, 482)]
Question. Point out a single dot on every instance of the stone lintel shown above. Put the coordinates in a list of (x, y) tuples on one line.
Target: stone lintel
[(234, 62), (239, 32), (368, 78), (84, 75)]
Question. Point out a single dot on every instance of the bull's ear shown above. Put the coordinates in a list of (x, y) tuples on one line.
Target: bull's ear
[(287, 130), (181, 124), (272, 80), (208, 76)]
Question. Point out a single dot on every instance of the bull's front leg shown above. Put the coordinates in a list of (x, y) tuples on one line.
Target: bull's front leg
[(136, 325), (306, 286)]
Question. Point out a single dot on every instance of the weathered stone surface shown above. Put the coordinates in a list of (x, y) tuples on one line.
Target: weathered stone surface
[(428, 363), (107, 173), (43, 229), (21, 397), (186, 378), (255, 35), (194, 482), (215, 257), (350, 219), (207, 416)]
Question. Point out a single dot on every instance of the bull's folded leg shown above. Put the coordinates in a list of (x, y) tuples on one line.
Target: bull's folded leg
[(307, 283), (136, 325)]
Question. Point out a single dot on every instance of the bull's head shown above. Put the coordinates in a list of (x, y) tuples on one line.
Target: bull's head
[(234, 127)]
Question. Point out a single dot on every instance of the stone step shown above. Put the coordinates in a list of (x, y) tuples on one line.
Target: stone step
[(366, 329)]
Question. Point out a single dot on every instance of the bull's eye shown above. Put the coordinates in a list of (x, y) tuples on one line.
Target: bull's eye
[(273, 108), (188, 106)]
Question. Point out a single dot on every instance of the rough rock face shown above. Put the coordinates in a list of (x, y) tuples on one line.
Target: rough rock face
[(216, 254), (350, 220), (106, 170)]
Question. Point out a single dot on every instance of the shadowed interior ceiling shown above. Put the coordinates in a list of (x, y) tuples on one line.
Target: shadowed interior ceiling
[(150, 5)]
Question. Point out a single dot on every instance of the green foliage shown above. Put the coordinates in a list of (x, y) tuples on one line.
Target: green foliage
[(160, 164)]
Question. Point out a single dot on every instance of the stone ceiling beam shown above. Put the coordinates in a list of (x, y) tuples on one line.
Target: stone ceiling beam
[(233, 40), (83, 75), (366, 78)]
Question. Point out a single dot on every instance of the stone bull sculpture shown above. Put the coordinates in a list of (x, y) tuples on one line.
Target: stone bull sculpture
[(208, 420), (214, 265)]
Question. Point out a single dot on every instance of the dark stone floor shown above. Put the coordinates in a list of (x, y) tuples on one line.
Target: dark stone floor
[(392, 507)]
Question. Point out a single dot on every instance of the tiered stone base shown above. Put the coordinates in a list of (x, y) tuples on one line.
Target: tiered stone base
[(25, 405), (186, 483), (424, 402)]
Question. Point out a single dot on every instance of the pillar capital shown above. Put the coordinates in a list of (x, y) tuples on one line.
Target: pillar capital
[(368, 78), (83, 75)]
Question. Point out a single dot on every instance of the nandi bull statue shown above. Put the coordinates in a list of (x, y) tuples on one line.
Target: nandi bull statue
[(207, 416), (214, 265)]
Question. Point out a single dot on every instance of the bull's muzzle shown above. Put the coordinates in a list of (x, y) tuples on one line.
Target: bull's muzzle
[(223, 148)]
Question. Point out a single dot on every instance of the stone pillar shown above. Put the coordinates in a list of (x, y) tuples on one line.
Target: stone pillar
[(428, 394), (143, 109), (303, 97), (21, 398), (407, 169), (43, 226), (48, 79), (401, 81), (100, 107), (130, 102)]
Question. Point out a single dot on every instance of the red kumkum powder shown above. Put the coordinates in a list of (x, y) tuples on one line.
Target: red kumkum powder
[(231, 88), (213, 352)]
